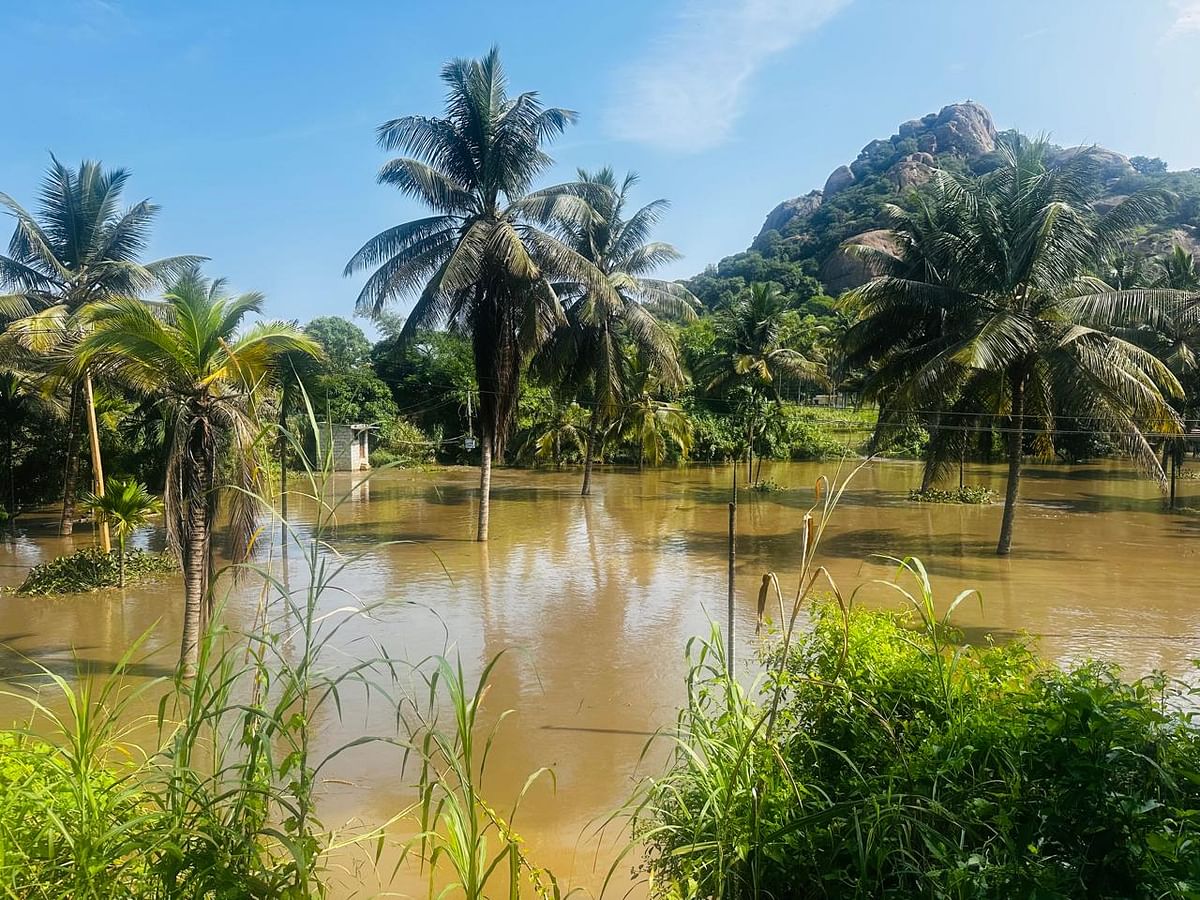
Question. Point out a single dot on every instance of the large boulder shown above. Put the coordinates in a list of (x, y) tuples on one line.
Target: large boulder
[(781, 216), (839, 179), (1109, 163), (964, 128), (913, 127), (912, 171), (844, 270)]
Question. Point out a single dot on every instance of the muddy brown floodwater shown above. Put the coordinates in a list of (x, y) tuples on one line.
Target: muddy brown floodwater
[(594, 600)]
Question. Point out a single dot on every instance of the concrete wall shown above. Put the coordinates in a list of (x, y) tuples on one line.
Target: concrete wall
[(351, 446)]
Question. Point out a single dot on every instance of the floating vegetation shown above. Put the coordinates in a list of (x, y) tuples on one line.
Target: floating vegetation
[(977, 494), (91, 569), (767, 486)]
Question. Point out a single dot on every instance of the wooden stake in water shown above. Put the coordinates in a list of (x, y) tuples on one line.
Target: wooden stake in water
[(97, 466), (732, 532)]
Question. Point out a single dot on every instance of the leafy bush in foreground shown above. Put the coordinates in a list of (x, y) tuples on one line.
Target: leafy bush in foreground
[(91, 568), (899, 763)]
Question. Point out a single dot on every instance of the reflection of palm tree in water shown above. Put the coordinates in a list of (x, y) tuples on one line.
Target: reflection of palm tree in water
[(577, 669)]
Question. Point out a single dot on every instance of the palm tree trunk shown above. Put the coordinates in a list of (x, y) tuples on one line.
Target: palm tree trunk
[(196, 540), (1016, 445), (71, 468), (927, 476), (121, 563), (589, 449), (485, 484)]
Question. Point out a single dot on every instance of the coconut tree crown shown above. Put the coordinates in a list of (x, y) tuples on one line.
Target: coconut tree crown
[(81, 246), (991, 313), (191, 352)]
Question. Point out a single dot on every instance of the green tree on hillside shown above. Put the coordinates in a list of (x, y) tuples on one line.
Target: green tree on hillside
[(484, 259), (1178, 270)]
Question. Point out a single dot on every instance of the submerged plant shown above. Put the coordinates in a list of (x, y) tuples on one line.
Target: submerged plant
[(126, 506), (977, 494), (91, 568)]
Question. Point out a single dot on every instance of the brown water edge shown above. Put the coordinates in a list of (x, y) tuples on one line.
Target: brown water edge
[(593, 601)]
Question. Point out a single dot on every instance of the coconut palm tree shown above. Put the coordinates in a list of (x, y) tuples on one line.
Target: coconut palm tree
[(79, 248), (990, 304), (558, 429), (211, 379), (126, 506), (484, 260), (1178, 270), (588, 352), (649, 422), (751, 358)]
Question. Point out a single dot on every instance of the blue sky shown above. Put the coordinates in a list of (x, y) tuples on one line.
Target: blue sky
[(251, 122)]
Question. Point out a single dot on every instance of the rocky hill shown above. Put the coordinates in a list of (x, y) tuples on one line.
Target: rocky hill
[(799, 244)]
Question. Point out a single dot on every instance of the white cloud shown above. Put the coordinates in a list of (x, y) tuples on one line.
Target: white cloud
[(688, 90), (1187, 17)]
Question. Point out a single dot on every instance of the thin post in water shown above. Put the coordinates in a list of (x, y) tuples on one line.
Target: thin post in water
[(732, 532)]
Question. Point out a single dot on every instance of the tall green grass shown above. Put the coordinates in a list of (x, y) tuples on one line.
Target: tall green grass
[(212, 793), (878, 754), (460, 832)]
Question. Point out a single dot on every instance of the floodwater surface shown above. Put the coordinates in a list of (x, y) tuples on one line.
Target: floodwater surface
[(592, 602)]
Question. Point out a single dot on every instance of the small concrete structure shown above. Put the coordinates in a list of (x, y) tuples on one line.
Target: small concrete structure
[(350, 445)]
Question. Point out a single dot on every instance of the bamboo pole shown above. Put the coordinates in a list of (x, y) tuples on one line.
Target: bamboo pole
[(97, 466)]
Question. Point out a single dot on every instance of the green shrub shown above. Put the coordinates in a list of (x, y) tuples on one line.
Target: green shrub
[(905, 442), (790, 432), (804, 439), (903, 764), (91, 568), (716, 438), (400, 441), (977, 494), (55, 816)]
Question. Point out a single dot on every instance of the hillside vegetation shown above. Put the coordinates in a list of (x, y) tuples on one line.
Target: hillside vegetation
[(799, 245)]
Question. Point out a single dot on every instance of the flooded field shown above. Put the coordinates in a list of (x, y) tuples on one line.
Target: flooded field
[(593, 600)]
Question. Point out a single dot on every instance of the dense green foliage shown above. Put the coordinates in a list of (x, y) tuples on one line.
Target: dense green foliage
[(90, 569), (900, 763), (345, 345)]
